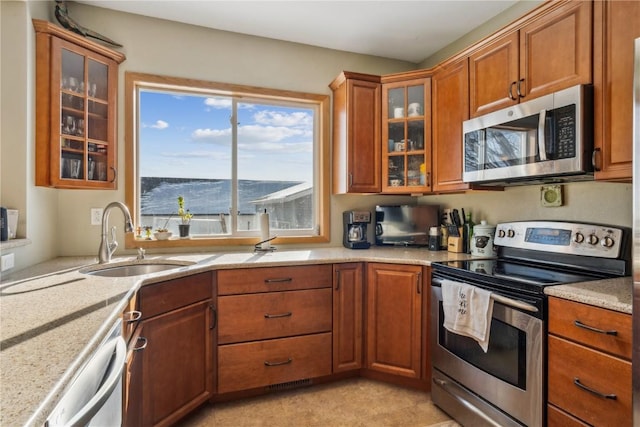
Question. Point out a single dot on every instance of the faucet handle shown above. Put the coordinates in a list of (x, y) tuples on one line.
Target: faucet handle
[(141, 253)]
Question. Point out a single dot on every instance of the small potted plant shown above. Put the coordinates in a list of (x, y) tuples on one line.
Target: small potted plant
[(185, 218)]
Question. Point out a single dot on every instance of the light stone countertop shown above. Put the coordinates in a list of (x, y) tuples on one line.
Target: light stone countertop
[(613, 294), (52, 317)]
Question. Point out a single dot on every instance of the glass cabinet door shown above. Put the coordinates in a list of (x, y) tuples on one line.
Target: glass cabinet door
[(84, 117), (405, 139), (76, 97)]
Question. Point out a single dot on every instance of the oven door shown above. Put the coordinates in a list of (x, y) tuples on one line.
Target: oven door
[(510, 376)]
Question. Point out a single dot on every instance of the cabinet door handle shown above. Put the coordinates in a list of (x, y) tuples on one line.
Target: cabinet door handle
[(338, 280), (283, 279), (594, 159), (115, 174), (428, 179), (419, 283), (277, 316), (511, 96), (350, 180), (579, 324), (284, 362), (611, 396), (518, 89), (214, 317), (132, 316), (141, 346)]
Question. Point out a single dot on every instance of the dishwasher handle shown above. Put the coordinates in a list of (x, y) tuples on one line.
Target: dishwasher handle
[(117, 349)]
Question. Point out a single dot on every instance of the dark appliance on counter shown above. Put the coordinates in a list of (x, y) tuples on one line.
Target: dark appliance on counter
[(506, 386), (404, 225), (355, 229), (547, 139)]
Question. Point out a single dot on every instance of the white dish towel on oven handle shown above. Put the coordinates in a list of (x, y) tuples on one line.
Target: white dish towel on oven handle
[(467, 311)]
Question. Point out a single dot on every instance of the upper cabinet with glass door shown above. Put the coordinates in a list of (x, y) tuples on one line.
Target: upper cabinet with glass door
[(406, 136), (76, 88)]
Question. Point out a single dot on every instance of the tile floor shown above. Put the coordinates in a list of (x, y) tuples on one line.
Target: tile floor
[(356, 402)]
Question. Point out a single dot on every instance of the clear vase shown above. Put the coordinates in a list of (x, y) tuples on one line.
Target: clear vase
[(184, 230)]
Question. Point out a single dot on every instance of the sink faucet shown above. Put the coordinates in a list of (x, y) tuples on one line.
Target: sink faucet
[(107, 248)]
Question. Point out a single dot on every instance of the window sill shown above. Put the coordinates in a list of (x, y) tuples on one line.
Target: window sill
[(176, 242)]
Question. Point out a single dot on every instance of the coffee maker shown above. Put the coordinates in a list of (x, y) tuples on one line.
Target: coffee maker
[(355, 229)]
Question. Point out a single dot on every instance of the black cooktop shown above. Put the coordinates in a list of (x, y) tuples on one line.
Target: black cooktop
[(514, 275)]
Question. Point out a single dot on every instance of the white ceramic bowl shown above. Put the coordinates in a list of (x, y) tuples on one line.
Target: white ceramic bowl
[(162, 235)]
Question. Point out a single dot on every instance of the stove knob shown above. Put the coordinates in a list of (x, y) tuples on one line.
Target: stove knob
[(578, 238), (593, 239), (511, 233), (607, 242), (501, 233)]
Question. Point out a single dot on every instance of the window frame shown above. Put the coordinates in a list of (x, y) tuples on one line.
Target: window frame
[(134, 80)]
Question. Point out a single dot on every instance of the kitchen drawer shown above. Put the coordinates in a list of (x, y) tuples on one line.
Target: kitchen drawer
[(558, 418), (166, 296), (267, 279), (600, 372), (562, 317), (273, 315), (262, 363)]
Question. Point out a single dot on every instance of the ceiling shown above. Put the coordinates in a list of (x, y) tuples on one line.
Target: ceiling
[(397, 29)]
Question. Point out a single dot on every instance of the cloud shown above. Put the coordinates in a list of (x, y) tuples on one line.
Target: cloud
[(195, 154), (278, 118), (218, 103), (160, 124), (216, 136)]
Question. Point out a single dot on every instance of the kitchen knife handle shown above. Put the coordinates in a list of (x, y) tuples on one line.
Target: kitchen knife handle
[(579, 324), (577, 382)]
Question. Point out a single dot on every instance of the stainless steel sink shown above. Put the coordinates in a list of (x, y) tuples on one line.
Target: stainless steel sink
[(136, 269)]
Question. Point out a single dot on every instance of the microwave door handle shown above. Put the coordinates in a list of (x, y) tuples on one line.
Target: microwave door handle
[(542, 150)]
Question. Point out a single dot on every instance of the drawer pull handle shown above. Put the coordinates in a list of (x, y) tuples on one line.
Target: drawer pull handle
[(577, 382), (579, 324), (283, 279), (141, 346), (132, 316), (276, 316), (284, 362)]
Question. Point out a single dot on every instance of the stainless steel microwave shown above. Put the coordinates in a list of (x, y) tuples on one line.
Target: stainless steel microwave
[(547, 139)]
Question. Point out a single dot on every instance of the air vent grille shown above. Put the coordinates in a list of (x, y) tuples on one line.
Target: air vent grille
[(289, 385)]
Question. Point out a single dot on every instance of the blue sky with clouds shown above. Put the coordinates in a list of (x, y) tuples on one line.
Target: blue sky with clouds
[(189, 136)]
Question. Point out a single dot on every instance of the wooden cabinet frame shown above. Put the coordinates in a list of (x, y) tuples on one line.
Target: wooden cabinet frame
[(96, 155)]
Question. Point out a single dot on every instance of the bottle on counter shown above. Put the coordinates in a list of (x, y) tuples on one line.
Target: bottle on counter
[(468, 232)]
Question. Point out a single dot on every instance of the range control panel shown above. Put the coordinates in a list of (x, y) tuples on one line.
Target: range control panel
[(562, 237)]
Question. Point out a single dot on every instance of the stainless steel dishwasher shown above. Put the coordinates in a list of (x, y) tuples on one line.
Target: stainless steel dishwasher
[(94, 396)]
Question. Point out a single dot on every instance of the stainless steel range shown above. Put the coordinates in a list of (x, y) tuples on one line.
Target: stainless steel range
[(506, 386)]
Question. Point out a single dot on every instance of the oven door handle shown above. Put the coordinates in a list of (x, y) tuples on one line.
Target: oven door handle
[(514, 303), (502, 299)]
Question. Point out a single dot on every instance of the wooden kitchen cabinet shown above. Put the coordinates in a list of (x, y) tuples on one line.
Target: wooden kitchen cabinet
[(274, 326), (178, 362), (550, 51), (450, 107), (589, 365), (76, 91), (617, 25), (394, 334), (347, 316), (356, 133), (406, 136)]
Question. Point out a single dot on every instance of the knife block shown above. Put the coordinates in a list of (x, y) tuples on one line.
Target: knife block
[(455, 244)]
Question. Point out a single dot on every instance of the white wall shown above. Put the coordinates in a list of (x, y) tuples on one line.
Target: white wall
[(37, 205)]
